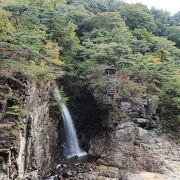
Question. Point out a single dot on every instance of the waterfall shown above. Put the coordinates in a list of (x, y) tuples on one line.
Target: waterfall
[(72, 147)]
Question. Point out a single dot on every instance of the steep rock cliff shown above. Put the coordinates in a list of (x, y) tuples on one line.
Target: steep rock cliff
[(132, 139), (28, 128)]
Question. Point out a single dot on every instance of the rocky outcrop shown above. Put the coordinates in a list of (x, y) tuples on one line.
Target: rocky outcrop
[(28, 130), (134, 149), (125, 131), (132, 139)]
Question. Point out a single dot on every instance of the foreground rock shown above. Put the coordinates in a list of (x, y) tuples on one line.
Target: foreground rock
[(135, 149), (93, 171)]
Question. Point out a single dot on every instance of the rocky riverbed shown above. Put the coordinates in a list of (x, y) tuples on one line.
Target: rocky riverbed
[(96, 171)]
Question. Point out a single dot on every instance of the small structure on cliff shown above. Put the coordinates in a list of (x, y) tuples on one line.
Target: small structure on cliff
[(111, 69)]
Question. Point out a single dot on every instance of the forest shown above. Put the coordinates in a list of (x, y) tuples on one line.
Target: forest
[(38, 37)]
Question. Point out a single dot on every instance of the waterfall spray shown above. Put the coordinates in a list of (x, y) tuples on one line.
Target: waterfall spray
[(72, 147)]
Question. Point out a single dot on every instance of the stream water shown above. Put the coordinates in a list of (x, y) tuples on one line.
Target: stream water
[(72, 147)]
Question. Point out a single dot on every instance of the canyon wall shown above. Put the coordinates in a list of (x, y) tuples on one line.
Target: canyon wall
[(28, 129)]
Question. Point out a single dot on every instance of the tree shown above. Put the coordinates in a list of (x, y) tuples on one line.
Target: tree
[(173, 34), (98, 5), (137, 16), (107, 41), (163, 21), (52, 53), (177, 18), (6, 27)]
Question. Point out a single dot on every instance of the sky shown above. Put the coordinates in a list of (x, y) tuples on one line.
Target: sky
[(171, 6)]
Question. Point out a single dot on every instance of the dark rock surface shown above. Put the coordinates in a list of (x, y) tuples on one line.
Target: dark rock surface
[(28, 131)]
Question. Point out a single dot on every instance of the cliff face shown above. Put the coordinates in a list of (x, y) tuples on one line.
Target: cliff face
[(28, 129), (132, 139), (117, 123), (135, 144), (126, 136)]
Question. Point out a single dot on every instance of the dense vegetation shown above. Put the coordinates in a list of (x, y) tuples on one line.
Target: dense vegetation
[(39, 37)]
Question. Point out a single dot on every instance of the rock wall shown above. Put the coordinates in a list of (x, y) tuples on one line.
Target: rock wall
[(122, 130), (132, 139), (28, 129)]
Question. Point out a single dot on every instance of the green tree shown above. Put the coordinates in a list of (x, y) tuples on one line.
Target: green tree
[(173, 34), (138, 16), (177, 18), (6, 27), (163, 20)]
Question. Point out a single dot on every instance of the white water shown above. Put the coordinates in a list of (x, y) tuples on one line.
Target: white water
[(72, 147)]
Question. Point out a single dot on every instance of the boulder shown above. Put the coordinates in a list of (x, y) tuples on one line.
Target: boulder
[(133, 148)]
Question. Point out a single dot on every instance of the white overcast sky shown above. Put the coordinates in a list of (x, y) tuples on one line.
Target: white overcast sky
[(172, 6)]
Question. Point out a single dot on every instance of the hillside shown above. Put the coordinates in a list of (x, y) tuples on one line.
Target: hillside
[(127, 118)]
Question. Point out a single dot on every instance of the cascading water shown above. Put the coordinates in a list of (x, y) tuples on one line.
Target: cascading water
[(72, 147)]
